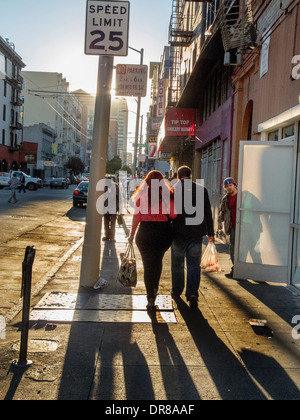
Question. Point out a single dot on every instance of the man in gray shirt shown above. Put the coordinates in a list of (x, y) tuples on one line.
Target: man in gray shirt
[(13, 184)]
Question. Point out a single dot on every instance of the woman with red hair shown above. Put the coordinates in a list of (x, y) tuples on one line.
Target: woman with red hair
[(154, 207)]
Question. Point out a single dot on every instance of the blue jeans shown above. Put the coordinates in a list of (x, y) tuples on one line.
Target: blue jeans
[(191, 250)]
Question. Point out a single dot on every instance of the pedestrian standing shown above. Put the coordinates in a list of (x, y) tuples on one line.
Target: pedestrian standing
[(110, 216), (227, 215), (22, 184), (154, 208), (194, 221), (13, 185)]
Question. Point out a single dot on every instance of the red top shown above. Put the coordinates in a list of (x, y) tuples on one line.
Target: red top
[(232, 207), (144, 212)]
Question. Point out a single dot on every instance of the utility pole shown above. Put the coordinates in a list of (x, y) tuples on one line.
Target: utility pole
[(92, 246), (109, 44)]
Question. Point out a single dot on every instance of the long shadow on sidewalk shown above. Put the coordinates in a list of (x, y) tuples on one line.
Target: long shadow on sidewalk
[(178, 383), (279, 302), (99, 354), (272, 378), (227, 372)]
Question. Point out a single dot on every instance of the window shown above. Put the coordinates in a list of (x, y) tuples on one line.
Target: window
[(4, 112), (288, 131), (216, 91), (274, 136), (3, 136), (211, 173)]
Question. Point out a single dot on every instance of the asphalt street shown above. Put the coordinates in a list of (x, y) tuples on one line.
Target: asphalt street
[(33, 209), (34, 221)]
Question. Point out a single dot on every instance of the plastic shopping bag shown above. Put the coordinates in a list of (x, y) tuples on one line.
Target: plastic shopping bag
[(128, 272), (209, 261)]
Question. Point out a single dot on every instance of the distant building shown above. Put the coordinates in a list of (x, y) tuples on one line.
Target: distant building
[(87, 124), (113, 139), (11, 108), (119, 112), (47, 100), (88, 112), (44, 136)]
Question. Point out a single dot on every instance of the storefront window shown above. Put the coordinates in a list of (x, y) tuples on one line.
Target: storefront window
[(211, 173), (288, 131), (274, 136)]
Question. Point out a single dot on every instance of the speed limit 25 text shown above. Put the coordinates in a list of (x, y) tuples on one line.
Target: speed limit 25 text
[(109, 11)]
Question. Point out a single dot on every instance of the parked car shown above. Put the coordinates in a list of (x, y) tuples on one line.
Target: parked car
[(46, 181), (80, 193), (81, 178), (59, 183)]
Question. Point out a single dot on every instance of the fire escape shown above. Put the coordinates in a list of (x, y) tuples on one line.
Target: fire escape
[(180, 35), (237, 28)]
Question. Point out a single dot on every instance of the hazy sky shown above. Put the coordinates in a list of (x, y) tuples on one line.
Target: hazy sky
[(49, 36)]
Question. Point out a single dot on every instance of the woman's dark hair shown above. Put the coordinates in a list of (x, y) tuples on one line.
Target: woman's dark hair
[(184, 172)]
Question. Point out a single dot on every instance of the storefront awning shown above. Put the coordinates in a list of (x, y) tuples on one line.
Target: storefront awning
[(212, 52), (178, 124)]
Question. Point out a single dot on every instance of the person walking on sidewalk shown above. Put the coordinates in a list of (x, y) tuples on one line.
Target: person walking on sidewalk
[(13, 185), (227, 214), (110, 217), (188, 229), (154, 206)]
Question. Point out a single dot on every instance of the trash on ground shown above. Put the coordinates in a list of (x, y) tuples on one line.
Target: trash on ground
[(100, 283), (258, 322)]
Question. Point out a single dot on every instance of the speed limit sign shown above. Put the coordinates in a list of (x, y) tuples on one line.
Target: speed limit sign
[(107, 27)]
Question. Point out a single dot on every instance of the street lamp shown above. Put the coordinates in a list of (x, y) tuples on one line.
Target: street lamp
[(137, 118), (141, 135)]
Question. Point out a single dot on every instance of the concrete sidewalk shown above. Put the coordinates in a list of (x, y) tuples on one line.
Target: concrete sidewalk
[(209, 354)]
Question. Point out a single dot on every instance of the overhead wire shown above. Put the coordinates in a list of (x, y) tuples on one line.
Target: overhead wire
[(53, 95)]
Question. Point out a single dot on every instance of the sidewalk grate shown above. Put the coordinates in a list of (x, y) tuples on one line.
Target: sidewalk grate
[(84, 307)]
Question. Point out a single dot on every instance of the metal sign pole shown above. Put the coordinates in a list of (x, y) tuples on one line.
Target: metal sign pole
[(92, 239), (134, 165)]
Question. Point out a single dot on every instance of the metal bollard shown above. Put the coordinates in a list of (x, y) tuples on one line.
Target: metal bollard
[(26, 294)]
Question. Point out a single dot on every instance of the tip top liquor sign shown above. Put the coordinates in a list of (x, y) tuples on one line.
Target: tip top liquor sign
[(107, 28)]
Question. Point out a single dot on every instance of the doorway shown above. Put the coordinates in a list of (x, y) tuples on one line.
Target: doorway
[(264, 207)]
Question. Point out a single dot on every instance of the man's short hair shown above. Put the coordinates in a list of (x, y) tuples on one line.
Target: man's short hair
[(184, 172)]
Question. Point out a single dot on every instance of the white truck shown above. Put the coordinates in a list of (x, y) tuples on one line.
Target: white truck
[(30, 182)]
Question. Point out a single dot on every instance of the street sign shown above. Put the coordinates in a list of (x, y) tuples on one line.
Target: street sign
[(165, 156), (131, 80), (152, 151), (142, 145), (107, 27)]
